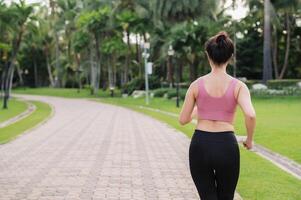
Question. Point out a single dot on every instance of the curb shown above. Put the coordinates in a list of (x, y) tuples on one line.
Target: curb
[(34, 127), (30, 109)]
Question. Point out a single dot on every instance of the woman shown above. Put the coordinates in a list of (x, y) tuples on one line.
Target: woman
[(214, 155)]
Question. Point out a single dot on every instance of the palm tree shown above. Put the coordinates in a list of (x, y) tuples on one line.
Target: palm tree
[(46, 40), (167, 15), (96, 23), (55, 29), (68, 10), (21, 13), (127, 19)]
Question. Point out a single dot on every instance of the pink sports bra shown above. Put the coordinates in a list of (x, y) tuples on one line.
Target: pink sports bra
[(216, 108)]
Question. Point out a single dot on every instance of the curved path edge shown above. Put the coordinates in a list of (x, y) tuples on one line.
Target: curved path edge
[(29, 110)]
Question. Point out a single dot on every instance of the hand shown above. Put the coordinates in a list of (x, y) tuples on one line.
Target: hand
[(248, 144)]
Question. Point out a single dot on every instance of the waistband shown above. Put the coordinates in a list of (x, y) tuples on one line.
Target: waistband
[(221, 136)]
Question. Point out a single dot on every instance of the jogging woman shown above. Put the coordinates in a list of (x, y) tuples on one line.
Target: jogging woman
[(214, 155)]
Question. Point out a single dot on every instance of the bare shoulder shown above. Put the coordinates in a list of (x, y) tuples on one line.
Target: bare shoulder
[(239, 87), (194, 87), (240, 83)]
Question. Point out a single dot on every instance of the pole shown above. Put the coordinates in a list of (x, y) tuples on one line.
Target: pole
[(234, 59)]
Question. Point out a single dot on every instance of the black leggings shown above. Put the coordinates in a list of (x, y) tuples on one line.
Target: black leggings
[(214, 160)]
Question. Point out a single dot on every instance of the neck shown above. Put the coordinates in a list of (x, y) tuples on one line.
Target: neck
[(219, 69)]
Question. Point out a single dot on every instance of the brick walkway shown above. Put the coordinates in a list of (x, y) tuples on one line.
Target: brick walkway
[(90, 150)]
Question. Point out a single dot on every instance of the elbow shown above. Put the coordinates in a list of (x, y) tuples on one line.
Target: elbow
[(251, 116)]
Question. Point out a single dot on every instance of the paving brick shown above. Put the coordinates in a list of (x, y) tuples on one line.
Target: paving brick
[(89, 150)]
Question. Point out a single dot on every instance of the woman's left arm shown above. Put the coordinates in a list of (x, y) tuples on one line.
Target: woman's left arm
[(188, 106)]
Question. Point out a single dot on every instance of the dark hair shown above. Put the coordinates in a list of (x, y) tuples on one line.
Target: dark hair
[(220, 48)]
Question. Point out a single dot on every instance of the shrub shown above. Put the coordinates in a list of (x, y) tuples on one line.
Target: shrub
[(173, 93), (287, 91), (184, 85), (160, 92), (249, 83), (139, 84), (279, 84), (71, 83)]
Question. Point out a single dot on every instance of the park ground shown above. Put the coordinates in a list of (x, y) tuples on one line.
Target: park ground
[(277, 128)]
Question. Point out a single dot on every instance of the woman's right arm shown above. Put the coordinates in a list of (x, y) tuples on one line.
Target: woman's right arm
[(245, 103)]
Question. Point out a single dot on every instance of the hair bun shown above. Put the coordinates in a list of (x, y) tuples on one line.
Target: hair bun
[(220, 48), (221, 38)]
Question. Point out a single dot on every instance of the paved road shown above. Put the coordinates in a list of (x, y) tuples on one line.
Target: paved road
[(89, 150)]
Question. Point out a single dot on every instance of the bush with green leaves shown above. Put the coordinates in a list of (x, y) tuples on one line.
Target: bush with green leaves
[(139, 84), (249, 83), (279, 84), (173, 93), (160, 92), (286, 91)]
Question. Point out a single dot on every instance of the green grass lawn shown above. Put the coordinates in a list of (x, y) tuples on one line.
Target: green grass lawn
[(12, 131), (278, 125), (259, 178), (16, 107), (64, 92)]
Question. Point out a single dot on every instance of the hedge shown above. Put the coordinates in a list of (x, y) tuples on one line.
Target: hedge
[(280, 84)]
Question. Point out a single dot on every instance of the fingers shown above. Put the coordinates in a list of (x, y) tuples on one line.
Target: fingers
[(246, 145)]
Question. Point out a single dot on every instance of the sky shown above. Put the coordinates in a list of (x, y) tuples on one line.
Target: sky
[(239, 12)]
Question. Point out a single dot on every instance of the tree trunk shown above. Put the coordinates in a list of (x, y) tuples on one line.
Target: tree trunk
[(275, 54), (52, 83), (35, 71), (98, 66), (180, 71), (57, 80), (234, 53), (8, 82), (5, 86), (20, 75), (11, 77), (267, 63), (138, 57), (110, 72), (114, 70), (57, 62), (10, 67), (194, 66), (93, 69), (126, 70), (3, 81), (287, 49)]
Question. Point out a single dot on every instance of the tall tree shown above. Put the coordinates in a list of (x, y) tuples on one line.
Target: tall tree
[(21, 13), (267, 61), (96, 23)]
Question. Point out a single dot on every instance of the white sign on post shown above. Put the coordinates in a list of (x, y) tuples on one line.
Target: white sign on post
[(149, 68)]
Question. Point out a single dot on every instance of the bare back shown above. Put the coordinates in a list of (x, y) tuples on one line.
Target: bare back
[(216, 88)]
